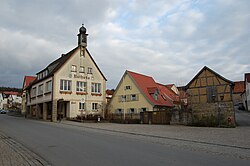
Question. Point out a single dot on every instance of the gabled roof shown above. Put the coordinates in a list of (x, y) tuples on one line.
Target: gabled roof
[(206, 68), (28, 80), (149, 87), (58, 63), (238, 87), (167, 91)]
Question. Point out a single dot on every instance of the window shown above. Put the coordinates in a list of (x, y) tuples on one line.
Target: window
[(118, 111), (48, 86), (81, 86), (156, 94), (123, 98), (133, 97), (211, 94), (132, 110), (89, 70), (39, 76), (94, 106), (143, 109), (33, 92), (96, 88), (44, 73), (82, 52), (65, 85), (127, 87), (40, 89), (82, 69), (81, 106), (73, 68)]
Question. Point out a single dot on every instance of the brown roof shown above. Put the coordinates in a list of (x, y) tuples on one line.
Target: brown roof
[(206, 68), (238, 87)]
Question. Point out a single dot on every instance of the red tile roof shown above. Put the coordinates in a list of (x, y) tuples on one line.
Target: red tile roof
[(110, 92), (11, 93), (148, 87), (238, 87), (28, 80)]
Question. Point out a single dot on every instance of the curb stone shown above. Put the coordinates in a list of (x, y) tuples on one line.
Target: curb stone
[(24, 155)]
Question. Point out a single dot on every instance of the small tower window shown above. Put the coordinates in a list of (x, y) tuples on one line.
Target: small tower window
[(89, 70), (73, 68), (82, 69)]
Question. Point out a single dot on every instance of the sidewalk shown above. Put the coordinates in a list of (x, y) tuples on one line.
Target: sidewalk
[(13, 153), (228, 137)]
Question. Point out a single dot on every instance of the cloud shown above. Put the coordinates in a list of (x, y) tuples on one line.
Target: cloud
[(169, 40)]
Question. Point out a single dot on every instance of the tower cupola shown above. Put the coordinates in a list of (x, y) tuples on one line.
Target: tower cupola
[(82, 36)]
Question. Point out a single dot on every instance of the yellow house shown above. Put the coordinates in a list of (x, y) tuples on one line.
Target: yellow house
[(137, 93), (71, 86), (210, 99)]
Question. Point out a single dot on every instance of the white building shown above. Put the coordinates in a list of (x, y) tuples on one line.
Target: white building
[(10, 100), (71, 86), (246, 94)]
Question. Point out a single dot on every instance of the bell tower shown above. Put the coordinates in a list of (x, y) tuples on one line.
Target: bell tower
[(82, 37)]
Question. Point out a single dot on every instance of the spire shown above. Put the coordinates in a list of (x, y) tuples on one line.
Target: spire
[(82, 36)]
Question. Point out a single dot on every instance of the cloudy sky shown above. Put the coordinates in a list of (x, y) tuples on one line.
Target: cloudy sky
[(170, 40)]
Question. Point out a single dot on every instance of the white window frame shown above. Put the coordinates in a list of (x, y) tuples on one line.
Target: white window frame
[(48, 86), (94, 106), (73, 68), (90, 70), (133, 97), (82, 69), (33, 92), (96, 88), (123, 98), (40, 89), (65, 85), (81, 86), (81, 106), (130, 110)]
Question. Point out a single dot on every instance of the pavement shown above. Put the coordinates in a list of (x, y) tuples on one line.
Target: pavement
[(13, 153), (232, 137)]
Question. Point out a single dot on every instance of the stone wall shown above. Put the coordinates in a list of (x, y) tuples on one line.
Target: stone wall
[(218, 114)]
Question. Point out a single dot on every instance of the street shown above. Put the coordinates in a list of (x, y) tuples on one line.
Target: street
[(70, 144), (242, 117)]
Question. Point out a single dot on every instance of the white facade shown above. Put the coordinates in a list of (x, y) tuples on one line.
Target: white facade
[(71, 86), (1, 101), (246, 96)]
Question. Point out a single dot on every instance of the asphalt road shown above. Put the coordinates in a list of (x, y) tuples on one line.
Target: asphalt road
[(242, 118), (62, 144)]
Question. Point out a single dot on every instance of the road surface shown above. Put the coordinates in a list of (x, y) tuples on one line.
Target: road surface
[(61, 144), (242, 117)]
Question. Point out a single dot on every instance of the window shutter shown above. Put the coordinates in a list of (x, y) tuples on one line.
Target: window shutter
[(128, 97)]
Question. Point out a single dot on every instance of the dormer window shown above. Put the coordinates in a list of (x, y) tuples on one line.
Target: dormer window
[(156, 94)]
